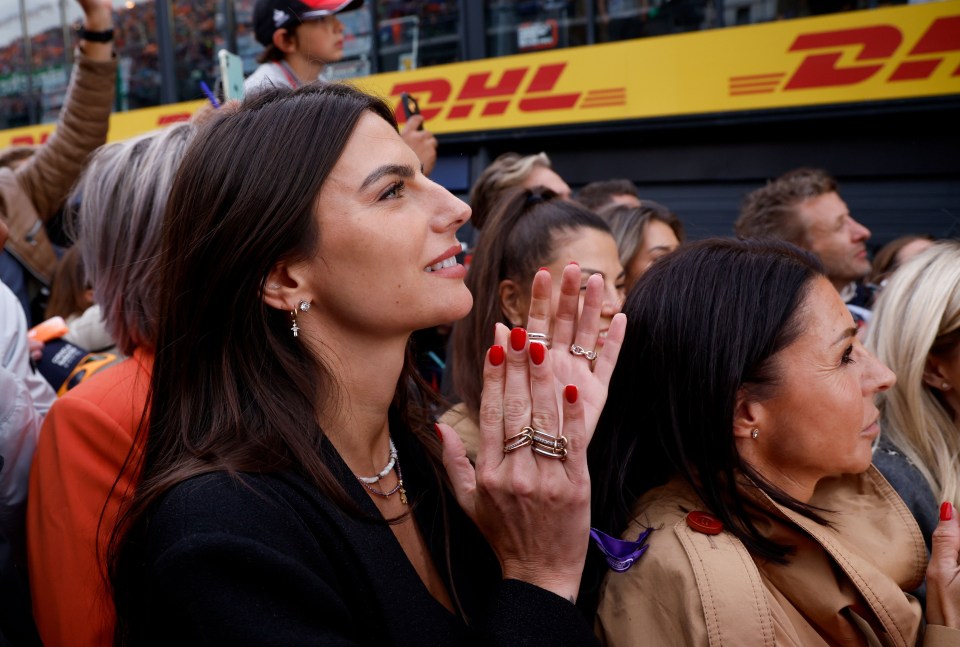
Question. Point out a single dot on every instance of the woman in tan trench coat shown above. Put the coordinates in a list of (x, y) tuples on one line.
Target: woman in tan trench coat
[(739, 424)]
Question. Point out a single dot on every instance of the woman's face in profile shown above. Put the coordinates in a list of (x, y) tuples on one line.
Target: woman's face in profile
[(385, 263), (659, 239), (822, 419)]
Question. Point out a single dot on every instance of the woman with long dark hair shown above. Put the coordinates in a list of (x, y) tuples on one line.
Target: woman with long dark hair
[(292, 488), (738, 432)]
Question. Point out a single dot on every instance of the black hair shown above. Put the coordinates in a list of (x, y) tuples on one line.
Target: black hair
[(703, 323)]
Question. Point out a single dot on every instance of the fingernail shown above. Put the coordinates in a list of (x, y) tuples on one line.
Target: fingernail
[(946, 511), (496, 355), (436, 428), (537, 353), (574, 263), (570, 392), (543, 269), (518, 338)]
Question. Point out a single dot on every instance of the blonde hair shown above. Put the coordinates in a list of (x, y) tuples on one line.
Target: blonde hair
[(918, 313), (504, 173)]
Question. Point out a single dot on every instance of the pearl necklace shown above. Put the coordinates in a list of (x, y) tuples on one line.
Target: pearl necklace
[(368, 481)]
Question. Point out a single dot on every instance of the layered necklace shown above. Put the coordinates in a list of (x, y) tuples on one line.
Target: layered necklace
[(392, 464)]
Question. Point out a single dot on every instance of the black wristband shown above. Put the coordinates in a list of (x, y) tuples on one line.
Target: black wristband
[(95, 36)]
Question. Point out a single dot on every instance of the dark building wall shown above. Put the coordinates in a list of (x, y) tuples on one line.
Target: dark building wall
[(898, 163)]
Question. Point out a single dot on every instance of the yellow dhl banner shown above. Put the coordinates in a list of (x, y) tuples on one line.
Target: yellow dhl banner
[(892, 53)]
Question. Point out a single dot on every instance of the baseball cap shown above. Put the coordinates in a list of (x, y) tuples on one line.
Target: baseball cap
[(271, 15)]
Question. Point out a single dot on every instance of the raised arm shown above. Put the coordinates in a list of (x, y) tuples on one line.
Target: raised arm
[(48, 176)]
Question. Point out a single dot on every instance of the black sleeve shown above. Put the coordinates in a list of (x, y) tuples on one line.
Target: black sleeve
[(524, 615)]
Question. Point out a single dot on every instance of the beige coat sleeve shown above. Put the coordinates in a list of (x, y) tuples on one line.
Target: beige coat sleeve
[(49, 175), (939, 636)]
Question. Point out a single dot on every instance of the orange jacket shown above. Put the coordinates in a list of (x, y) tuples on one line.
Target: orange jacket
[(84, 442)]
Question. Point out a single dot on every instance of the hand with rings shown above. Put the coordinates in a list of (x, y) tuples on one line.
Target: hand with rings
[(578, 353), (530, 490)]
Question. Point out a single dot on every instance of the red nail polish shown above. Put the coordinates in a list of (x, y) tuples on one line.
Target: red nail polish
[(496, 355), (543, 269), (538, 353), (946, 511), (574, 263), (436, 428), (571, 393), (518, 338)]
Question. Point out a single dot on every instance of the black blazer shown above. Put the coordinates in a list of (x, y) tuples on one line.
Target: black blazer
[(264, 559)]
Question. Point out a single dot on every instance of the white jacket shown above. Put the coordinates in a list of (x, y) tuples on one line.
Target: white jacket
[(25, 398)]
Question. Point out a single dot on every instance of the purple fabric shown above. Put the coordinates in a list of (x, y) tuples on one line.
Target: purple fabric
[(620, 554)]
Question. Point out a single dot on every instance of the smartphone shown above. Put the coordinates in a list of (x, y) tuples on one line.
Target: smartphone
[(231, 75), (410, 107), (52, 328)]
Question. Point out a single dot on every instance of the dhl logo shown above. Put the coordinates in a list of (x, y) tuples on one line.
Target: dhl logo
[(497, 94), (877, 45)]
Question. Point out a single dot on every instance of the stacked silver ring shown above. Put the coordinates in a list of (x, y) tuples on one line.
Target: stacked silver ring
[(549, 446), (540, 442), (513, 443), (543, 338)]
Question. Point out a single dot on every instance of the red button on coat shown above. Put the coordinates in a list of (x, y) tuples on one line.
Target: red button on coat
[(704, 522)]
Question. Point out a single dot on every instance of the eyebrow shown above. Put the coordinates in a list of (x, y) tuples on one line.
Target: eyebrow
[(849, 332), (402, 170)]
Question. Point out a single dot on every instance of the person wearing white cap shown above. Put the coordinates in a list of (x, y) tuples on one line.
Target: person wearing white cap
[(300, 38)]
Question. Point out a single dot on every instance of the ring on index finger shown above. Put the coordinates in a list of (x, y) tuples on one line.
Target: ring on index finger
[(580, 351)]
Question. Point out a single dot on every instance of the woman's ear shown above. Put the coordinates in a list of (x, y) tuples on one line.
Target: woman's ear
[(933, 375), (513, 305), (749, 416), (284, 289)]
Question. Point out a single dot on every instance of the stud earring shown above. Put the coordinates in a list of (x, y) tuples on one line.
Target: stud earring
[(304, 306), (754, 433), (295, 328), (945, 386)]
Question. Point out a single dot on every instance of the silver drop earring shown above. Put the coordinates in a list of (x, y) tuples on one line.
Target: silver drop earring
[(754, 433), (295, 328)]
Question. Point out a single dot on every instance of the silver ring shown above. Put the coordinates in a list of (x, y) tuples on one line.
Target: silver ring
[(539, 336), (513, 443), (583, 352), (545, 440)]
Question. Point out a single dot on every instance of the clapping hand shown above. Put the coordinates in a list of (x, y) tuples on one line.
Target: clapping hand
[(568, 327)]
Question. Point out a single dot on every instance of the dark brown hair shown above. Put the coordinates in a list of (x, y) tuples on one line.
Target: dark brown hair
[(597, 195), (232, 390), (628, 223), (770, 212), (519, 238), (68, 290), (702, 323)]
